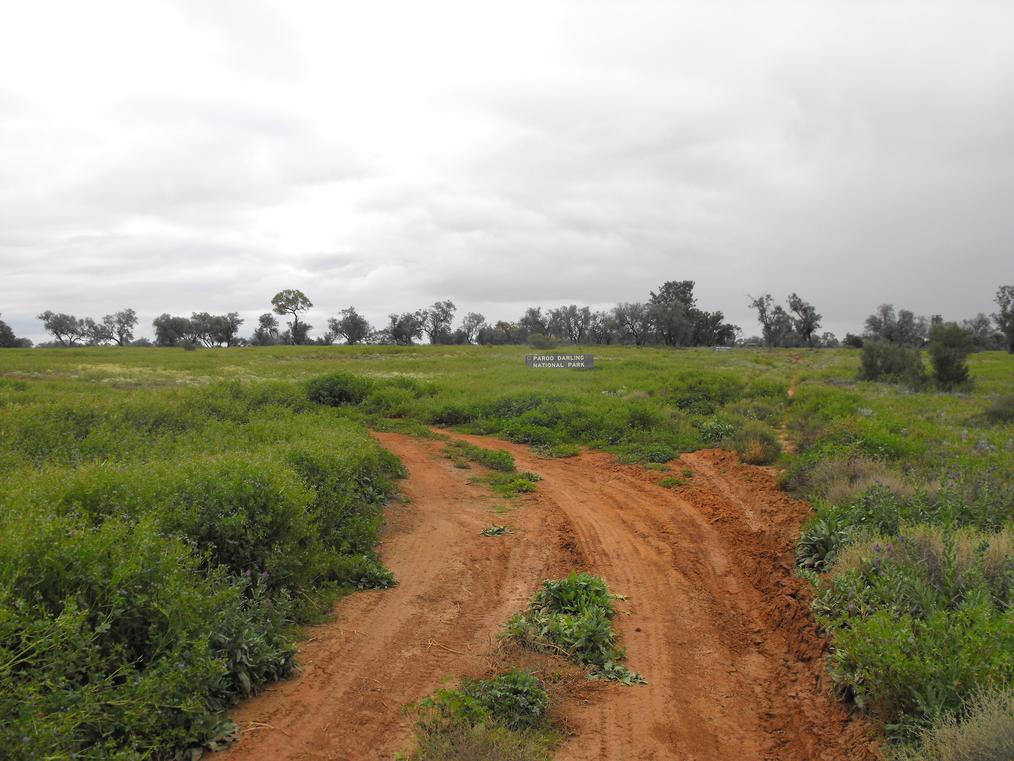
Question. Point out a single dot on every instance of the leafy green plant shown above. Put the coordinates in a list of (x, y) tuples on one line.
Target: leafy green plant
[(498, 719), (337, 389), (495, 530), (573, 617)]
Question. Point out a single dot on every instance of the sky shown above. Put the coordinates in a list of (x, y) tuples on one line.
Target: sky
[(201, 155)]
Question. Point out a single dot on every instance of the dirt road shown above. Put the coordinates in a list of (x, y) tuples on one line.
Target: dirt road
[(714, 618)]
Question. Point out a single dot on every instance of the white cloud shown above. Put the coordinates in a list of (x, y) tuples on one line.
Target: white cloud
[(180, 156)]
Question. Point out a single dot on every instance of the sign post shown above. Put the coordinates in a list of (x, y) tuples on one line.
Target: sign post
[(561, 361)]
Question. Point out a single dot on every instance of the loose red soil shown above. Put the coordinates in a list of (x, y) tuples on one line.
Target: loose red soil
[(714, 618)]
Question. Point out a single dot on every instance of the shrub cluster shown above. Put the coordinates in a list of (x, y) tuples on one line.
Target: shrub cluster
[(573, 616), (499, 719), (155, 552), (921, 621)]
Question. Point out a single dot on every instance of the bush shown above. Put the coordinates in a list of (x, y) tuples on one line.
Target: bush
[(756, 443), (920, 621), (115, 644), (892, 363), (983, 730), (573, 616), (950, 345), (704, 392), (515, 699), (337, 389), (1000, 411), (499, 719), (540, 341)]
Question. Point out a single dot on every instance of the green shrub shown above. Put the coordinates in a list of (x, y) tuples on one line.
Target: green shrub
[(336, 389), (920, 621), (983, 730), (756, 442), (573, 616), (1000, 412), (114, 644), (498, 719), (704, 392), (950, 345), (494, 459), (891, 363), (540, 341), (516, 699)]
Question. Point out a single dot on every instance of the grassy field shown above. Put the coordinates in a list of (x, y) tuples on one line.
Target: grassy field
[(168, 515)]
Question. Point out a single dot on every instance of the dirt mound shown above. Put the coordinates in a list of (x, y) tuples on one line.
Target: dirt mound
[(713, 618)]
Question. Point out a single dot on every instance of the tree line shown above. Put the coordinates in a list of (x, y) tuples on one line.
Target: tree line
[(669, 317)]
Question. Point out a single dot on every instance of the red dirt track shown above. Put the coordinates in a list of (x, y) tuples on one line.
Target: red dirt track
[(714, 618)]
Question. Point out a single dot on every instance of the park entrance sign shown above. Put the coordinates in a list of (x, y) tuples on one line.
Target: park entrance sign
[(561, 361)]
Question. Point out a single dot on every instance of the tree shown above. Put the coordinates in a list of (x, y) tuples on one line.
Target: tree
[(120, 326), (603, 329), (765, 305), (672, 311), (531, 322), (97, 333), (949, 347), (215, 329), (172, 331), (471, 325), (404, 328), (266, 332), (634, 321), (437, 319), (10, 341), (903, 329), (1004, 318), (352, 326), (66, 328), (806, 320), (292, 301), (984, 334), (570, 323)]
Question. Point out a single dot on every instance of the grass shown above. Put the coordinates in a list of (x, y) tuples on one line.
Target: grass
[(138, 446), (157, 547)]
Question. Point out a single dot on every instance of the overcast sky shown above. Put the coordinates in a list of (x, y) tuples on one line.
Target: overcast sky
[(201, 155)]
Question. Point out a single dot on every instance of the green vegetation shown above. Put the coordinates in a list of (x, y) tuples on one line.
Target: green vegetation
[(573, 617), (495, 530), (925, 470), (157, 547), (498, 719)]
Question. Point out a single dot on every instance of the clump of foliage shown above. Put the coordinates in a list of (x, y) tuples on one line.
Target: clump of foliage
[(756, 443), (495, 530), (891, 363), (920, 621), (337, 389), (512, 484), (1000, 411), (950, 345), (982, 731), (499, 719), (157, 548), (573, 616), (494, 459)]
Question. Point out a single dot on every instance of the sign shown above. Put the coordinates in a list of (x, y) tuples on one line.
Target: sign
[(561, 361)]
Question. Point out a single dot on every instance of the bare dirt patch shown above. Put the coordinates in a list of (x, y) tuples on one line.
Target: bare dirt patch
[(714, 617)]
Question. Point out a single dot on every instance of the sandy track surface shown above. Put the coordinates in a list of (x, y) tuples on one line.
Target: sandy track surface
[(714, 619)]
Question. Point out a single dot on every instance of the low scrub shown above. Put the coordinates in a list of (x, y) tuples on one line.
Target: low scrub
[(337, 389), (573, 617), (982, 731), (920, 621), (756, 443), (498, 719), (892, 363)]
